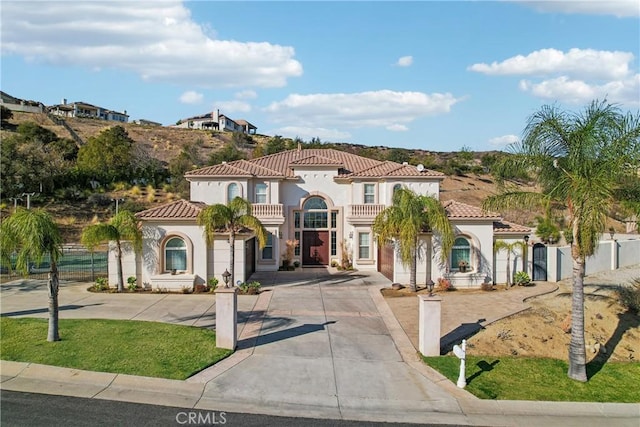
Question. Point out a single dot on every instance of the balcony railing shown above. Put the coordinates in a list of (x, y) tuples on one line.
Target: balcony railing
[(267, 210), (366, 212)]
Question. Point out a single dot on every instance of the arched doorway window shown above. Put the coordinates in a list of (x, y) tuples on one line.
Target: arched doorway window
[(175, 254)]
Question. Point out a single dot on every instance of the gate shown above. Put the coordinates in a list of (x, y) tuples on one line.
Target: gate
[(249, 257), (539, 262), (385, 260)]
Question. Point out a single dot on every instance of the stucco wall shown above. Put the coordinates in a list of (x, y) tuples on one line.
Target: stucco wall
[(628, 252)]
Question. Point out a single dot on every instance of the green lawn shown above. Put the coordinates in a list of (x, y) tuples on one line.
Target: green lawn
[(517, 378), (148, 349)]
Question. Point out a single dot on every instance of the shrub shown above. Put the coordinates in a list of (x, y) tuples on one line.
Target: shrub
[(334, 263), (99, 199), (250, 288), (131, 281), (629, 295), (186, 289), (213, 284), (521, 278), (445, 284), (102, 284), (135, 191), (486, 286)]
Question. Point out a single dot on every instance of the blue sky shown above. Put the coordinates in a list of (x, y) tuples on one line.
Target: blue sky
[(430, 75)]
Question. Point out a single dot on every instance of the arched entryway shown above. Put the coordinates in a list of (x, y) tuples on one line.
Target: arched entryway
[(315, 227)]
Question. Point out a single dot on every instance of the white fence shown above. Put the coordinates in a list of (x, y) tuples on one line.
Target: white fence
[(611, 255)]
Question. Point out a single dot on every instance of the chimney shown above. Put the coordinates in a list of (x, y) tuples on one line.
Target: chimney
[(299, 147), (64, 101)]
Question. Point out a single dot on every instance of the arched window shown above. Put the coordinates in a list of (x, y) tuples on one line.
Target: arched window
[(397, 187), (233, 191), (175, 254), (314, 203), (461, 255)]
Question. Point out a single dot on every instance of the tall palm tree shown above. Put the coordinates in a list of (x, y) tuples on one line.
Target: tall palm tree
[(122, 227), (502, 245), (33, 233), (403, 221), (231, 219), (580, 160)]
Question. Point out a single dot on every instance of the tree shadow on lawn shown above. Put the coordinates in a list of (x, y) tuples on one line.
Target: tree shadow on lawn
[(627, 320)]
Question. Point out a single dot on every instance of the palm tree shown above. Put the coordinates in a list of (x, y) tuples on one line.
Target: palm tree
[(32, 233), (410, 215), (580, 160), (123, 226), (502, 245), (231, 219)]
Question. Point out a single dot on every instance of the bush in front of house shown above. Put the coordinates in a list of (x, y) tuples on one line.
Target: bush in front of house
[(629, 295), (131, 283), (522, 279)]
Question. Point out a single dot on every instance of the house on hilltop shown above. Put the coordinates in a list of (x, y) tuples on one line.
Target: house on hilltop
[(86, 110), (217, 121), (326, 200), (17, 104)]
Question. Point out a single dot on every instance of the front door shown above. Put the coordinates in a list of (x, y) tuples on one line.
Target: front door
[(315, 247)]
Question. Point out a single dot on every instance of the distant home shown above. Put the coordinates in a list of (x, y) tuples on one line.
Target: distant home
[(145, 122), (217, 121), (17, 104), (86, 110)]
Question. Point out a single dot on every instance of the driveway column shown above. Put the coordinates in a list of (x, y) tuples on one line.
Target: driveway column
[(227, 318), (429, 325)]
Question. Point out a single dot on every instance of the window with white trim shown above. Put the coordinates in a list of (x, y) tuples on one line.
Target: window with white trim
[(175, 254), (261, 193), (233, 191), (369, 193), (461, 254), (267, 251), (363, 245)]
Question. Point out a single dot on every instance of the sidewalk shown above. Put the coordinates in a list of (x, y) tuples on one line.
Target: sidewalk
[(311, 345)]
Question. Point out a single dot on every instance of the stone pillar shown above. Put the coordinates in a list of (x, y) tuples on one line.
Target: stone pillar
[(429, 325), (614, 254), (227, 317)]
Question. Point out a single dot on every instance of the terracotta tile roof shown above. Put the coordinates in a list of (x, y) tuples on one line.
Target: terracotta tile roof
[(509, 227), (388, 168), (459, 210), (180, 209), (280, 164)]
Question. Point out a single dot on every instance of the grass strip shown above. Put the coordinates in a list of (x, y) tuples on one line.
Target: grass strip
[(149, 349), (519, 378)]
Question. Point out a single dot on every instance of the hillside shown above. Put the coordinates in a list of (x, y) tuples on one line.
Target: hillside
[(164, 143)]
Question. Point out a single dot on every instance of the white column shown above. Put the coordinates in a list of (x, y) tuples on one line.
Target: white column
[(429, 325), (614, 254), (227, 318)]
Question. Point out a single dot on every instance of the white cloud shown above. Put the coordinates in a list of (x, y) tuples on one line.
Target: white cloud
[(579, 92), (307, 133), (246, 94), (405, 61), (376, 109), (619, 8), (156, 40), (397, 128), (584, 63), (233, 106), (504, 140), (191, 97)]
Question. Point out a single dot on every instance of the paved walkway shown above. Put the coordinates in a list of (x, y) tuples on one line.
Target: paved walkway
[(312, 344)]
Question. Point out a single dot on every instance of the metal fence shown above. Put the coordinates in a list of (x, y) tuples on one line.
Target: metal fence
[(77, 264)]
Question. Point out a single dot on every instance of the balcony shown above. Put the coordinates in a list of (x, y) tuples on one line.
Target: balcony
[(363, 214), (268, 213)]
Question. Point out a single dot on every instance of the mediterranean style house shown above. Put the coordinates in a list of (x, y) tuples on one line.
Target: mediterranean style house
[(326, 200)]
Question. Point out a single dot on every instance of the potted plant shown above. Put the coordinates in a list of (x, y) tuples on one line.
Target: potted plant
[(463, 265)]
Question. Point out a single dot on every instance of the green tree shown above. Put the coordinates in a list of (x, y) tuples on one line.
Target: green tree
[(108, 156), (122, 227), (579, 159), (33, 233), (398, 155), (228, 153), (409, 216), (275, 145), (510, 248), (231, 219)]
